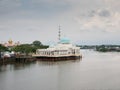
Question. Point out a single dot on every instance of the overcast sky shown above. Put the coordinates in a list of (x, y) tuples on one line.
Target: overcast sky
[(83, 21)]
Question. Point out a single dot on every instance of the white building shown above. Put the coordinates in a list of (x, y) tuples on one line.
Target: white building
[(63, 50)]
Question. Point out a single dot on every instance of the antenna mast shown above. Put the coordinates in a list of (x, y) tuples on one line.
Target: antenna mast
[(59, 33)]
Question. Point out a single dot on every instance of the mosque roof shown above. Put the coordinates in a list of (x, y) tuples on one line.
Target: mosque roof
[(64, 40)]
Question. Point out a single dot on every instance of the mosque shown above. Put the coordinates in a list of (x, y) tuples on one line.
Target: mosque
[(10, 43), (64, 50)]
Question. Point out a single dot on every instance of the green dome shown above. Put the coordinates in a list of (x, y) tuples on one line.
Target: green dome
[(65, 40)]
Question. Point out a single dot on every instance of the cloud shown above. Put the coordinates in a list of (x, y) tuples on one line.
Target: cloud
[(104, 13), (101, 19), (38, 18), (5, 4), (8, 6), (113, 4), (33, 8)]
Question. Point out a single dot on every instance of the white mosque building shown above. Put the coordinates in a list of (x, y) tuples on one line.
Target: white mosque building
[(64, 50)]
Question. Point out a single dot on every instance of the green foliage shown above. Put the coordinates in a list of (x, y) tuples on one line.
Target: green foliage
[(101, 48), (108, 48), (29, 48), (24, 48), (3, 48), (37, 43)]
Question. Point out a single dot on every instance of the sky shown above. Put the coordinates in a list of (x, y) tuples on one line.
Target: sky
[(85, 22)]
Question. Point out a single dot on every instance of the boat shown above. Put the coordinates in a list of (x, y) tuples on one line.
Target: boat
[(64, 50)]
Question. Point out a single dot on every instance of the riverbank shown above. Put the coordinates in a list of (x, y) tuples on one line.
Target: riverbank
[(17, 59), (108, 48), (102, 48), (30, 58)]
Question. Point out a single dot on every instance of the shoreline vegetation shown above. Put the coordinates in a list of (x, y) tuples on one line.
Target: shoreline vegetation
[(20, 53), (24, 48), (102, 48), (23, 53)]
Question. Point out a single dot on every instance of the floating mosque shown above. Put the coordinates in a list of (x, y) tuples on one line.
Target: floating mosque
[(64, 50)]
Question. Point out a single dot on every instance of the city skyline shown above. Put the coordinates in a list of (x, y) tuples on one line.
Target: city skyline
[(83, 21)]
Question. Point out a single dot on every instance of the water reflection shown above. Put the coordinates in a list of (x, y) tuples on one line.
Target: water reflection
[(57, 62), (20, 66), (15, 66), (96, 71)]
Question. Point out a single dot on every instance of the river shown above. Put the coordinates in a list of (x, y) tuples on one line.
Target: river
[(95, 71)]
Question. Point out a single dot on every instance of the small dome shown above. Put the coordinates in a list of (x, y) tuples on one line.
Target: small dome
[(10, 41), (65, 40)]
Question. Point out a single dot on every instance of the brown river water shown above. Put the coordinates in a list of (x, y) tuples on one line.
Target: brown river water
[(95, 71)]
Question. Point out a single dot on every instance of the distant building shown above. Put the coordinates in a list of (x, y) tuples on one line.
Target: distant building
[(10, 43)]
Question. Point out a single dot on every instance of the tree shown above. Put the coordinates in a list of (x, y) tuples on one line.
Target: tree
[(37, 43), (3, 48), (29, 48), (24, 48)]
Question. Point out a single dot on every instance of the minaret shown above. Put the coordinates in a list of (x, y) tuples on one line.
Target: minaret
[(59, 34)]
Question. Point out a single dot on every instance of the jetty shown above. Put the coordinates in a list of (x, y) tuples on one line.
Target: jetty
[(17, 59), (24, 58)]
